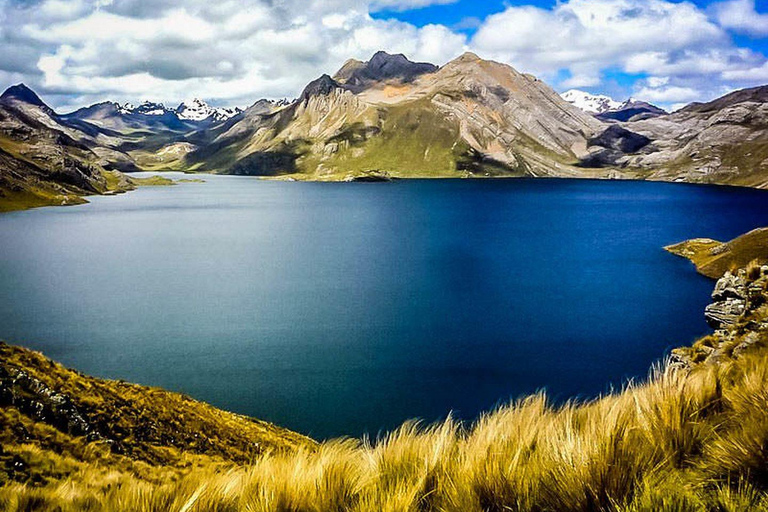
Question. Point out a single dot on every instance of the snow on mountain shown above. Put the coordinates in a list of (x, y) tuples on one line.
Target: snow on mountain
[(592, 103), (199, 110), (192, 110)]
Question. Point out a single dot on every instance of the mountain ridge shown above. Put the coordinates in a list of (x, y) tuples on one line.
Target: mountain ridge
[(386, 116)]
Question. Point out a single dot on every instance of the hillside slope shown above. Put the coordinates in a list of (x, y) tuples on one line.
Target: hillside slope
[(714, 259), (49, 407)]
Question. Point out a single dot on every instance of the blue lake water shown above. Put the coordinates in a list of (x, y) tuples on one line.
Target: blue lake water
[(339, 309)]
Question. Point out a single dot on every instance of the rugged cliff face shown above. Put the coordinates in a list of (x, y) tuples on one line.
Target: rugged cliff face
[(724, 141), (739, 308), (739, 315)]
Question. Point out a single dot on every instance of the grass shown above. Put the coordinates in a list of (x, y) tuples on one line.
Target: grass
[(713, 258), (682, 441)]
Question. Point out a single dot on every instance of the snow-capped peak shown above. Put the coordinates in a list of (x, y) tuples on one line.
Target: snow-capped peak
[(198, 110), (126, 108), (191, 110), (147, 108), (592, 103)]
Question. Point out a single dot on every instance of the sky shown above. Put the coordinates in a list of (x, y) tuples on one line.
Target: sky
[(232, 52)]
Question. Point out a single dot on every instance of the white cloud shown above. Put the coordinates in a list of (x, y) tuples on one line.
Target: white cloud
[(235, 51), (741, 16), (669, 94), (405, 5), (230, 52), (586, 38), (755, 75)]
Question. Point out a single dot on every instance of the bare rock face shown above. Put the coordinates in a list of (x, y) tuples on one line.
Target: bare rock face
[(357, 75), (34, 398), (739, 315), (724, 313), (724, 141)]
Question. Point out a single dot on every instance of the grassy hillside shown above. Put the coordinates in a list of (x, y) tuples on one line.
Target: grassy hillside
[(692, 437), (48, 408), (713, 258)]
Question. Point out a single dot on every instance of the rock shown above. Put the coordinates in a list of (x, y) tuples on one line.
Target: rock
[(620, 139), (730, 286), (33, 397), (724, 313), (370, 177)]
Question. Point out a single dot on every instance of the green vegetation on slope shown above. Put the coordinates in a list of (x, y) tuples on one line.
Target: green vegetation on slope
[(414, 140)]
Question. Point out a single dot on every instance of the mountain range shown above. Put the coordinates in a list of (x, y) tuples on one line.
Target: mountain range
[(386, 117), (607, 109)]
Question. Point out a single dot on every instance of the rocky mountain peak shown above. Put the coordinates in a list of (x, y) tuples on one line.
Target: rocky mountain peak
[(322, 86), (22, 93), (754, 94), (467, 57), (382, 66)]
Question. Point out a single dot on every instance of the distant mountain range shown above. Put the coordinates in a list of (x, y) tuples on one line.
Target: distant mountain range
[(386, 117), (607, 109)]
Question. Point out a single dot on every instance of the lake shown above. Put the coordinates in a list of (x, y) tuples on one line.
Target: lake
[(344, 308)]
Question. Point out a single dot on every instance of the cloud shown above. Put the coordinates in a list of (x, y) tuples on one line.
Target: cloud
[(669, 94), (742, 17), (231, 52), (406, 5), (600, 33), (582, 39), (235, 51)]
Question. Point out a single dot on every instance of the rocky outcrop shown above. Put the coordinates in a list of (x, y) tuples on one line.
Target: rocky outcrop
[(739, 315), (38, 401)]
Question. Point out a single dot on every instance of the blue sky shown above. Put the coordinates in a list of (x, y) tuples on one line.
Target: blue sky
[(233, 52), (468, 16)]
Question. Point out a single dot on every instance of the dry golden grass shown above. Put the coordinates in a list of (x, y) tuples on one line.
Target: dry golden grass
[(684, 440), (713, 258)]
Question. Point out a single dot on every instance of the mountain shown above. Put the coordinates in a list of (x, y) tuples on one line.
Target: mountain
[(48, 159), (592, 103), (41, 160), (724, 141), (606, 108), (357, 75), (22, 94), (386, 117), (199, 110), (632, 110), (470, 117)]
